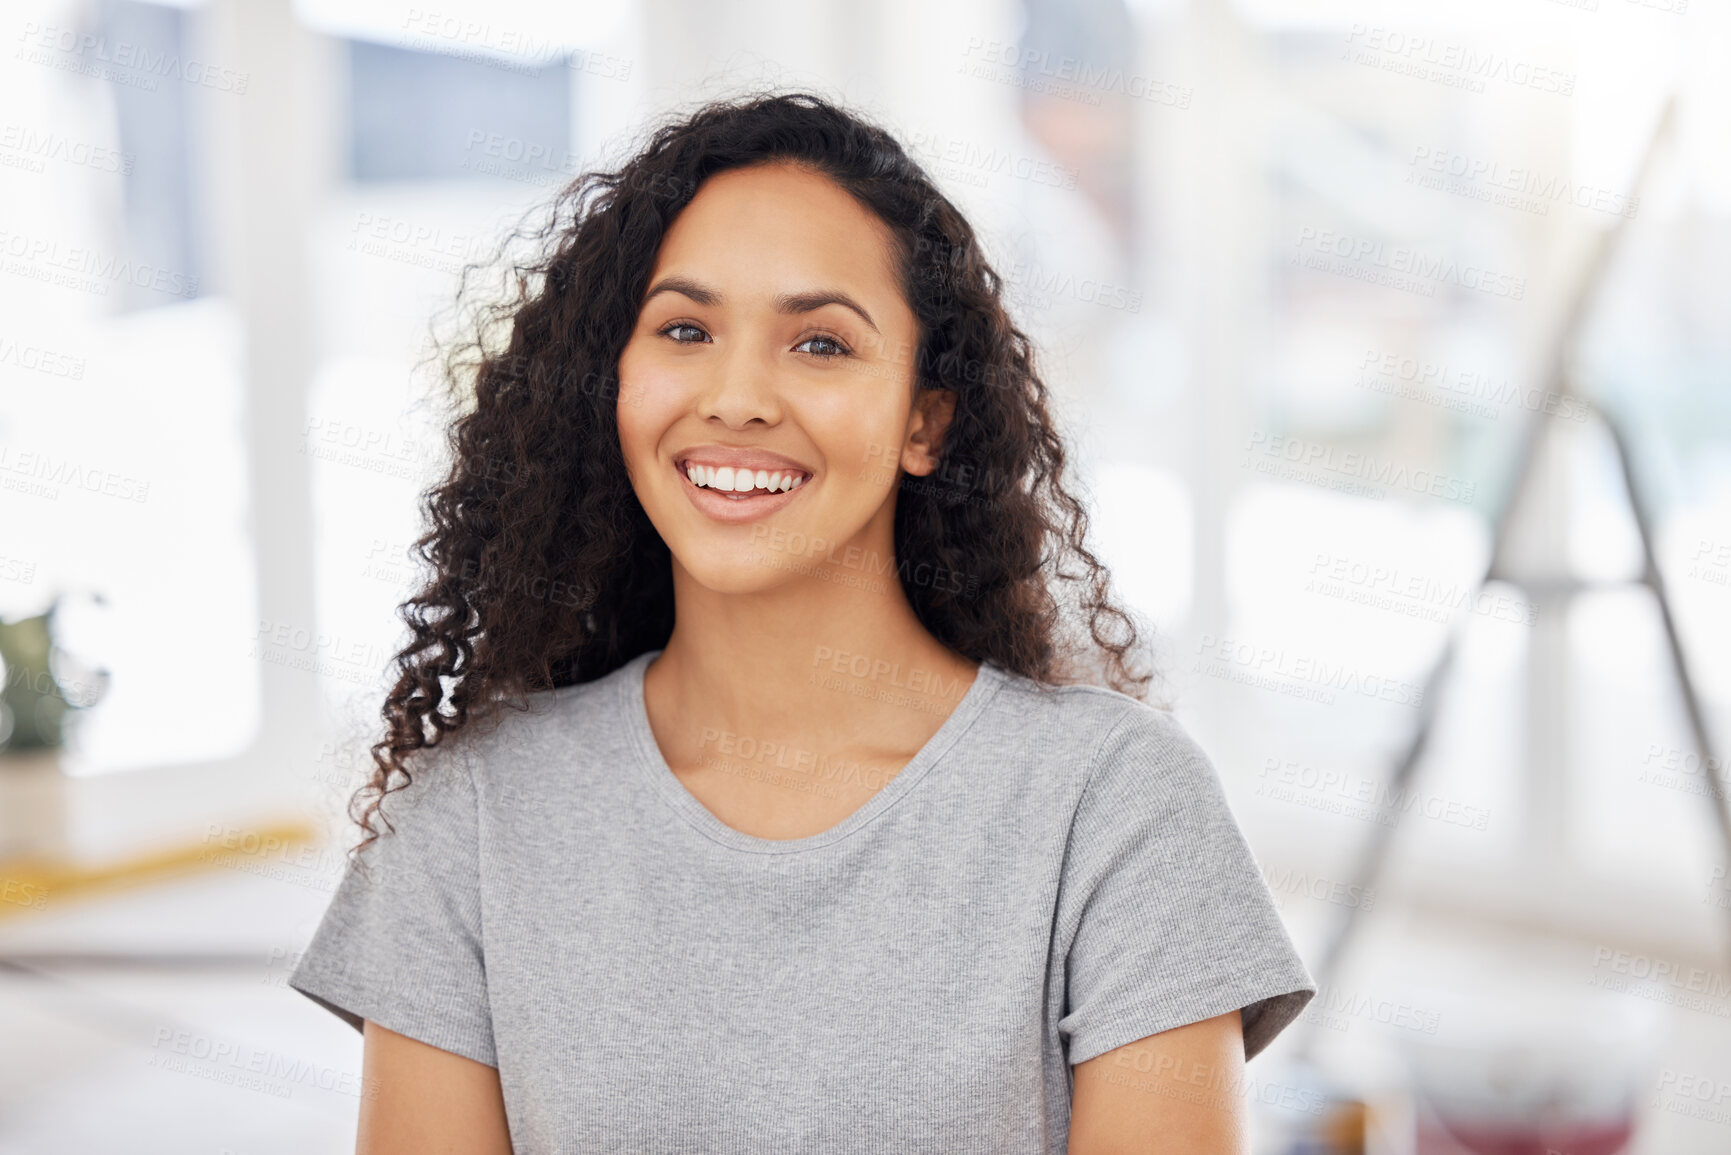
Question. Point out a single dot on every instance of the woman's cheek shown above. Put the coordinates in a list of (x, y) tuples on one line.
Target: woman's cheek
[(650, 401), (861, 450)]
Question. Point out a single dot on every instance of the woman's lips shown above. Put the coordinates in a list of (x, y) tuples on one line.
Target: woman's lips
[(736, 507)]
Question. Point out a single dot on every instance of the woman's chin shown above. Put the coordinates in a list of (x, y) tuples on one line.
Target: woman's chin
[(744, 571)]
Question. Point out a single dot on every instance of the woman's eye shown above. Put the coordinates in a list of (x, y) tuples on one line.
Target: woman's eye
[(670, 330), (828, 347)]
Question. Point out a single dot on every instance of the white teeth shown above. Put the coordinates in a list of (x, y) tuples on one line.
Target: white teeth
[(730, 480)]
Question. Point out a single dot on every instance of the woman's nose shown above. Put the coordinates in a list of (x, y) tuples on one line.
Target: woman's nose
[(742, 384)]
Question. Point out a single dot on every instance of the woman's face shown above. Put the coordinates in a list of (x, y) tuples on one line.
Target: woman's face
[(773, 354)]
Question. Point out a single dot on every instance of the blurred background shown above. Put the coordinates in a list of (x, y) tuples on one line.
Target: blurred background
[(1348, 307)]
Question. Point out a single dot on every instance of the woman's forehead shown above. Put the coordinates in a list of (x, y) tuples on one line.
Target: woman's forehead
[(776, 228)]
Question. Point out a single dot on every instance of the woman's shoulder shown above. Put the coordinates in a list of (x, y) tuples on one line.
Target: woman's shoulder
[(1086, 708), (532, 727), (1110, 735)]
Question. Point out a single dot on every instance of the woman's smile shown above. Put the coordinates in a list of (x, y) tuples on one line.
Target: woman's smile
[(715, 489)]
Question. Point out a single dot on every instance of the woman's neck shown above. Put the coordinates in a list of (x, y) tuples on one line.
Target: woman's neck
[(815, 661)]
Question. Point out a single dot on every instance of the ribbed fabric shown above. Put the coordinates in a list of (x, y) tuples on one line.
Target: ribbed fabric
[(1055, 874)]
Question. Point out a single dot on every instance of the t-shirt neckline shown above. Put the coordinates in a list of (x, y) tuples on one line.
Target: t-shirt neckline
[(672, 790)]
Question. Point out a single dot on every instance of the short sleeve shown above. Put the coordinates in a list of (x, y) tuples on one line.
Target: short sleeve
[(1166, 914), (400, 942)]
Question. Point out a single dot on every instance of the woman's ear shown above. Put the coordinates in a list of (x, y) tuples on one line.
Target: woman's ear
[(927, 424)]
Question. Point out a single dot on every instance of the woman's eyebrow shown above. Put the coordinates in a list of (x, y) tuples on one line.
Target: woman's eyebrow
[(784, 303)]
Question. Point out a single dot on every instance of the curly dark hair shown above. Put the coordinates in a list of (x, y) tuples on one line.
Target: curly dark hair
[(545, 569)]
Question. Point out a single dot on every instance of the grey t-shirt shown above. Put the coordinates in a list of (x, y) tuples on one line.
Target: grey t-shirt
[(1055, 874)]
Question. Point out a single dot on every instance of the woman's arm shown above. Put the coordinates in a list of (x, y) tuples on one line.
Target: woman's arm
[(419, 1100), (1180, 1091)]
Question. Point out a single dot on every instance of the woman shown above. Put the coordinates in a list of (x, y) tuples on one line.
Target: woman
[(802, 830)]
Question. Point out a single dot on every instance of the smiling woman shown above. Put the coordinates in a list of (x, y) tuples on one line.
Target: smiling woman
[(805, 827)]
